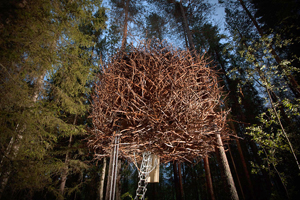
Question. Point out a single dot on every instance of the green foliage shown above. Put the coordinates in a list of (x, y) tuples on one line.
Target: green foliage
[(270, 139), (127, 194), (47, 66)]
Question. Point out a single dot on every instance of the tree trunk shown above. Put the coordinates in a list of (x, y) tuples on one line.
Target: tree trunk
[(295, 87), (126, 9), (13, 148), (101, 186), (186, 27), (229, 178), (66, 167), (195, 180), (184, 179), (176, 180), (118, 184), (221, 170), (242, 160), (208, 178), (180, 181), (107, 195), (236, 172)]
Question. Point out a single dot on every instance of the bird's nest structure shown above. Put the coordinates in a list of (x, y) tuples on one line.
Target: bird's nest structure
[(157, 99)]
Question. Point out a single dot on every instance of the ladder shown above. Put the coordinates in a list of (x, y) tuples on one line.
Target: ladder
[(145, 169)]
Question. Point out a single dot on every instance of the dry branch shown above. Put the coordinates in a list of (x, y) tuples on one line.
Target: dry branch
[(158, 99)]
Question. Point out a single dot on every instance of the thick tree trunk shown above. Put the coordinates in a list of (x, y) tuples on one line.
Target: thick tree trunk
[(229, 178), (101, 185), (208, 178), (126, 9), (221, 170), (295, 87)]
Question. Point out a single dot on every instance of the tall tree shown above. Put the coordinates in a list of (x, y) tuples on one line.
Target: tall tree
[(47, 75), (208, 178)]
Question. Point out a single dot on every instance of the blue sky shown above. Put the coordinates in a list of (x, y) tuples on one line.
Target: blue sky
[(219, 15), (217, 18)]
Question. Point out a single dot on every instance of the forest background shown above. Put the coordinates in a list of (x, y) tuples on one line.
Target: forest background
[(51, 52)]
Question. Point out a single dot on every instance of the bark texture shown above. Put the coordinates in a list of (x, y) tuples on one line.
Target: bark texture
[(229, 178), (101, 186), (126, 9), (109, 176), (208, 178), (180, 181), (176, 181), (186, 27), (236, 172)]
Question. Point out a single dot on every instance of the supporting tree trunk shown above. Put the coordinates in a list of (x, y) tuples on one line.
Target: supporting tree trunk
[(109, 176), (221, 170), (101, 186), (180, 181), (208, 178), (229, 178), (176, 180)]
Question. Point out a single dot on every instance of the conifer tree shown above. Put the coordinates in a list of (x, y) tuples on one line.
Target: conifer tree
[(46, 67)]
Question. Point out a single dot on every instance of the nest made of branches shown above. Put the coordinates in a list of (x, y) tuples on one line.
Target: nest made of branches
[(157, 99)]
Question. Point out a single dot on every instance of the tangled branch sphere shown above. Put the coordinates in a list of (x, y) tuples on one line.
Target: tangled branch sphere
[(157, 99)]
